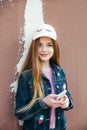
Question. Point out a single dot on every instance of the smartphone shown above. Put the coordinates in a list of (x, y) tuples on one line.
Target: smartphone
[(61, 95)]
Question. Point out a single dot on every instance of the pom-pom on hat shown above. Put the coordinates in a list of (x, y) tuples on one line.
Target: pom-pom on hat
[(45, 30)]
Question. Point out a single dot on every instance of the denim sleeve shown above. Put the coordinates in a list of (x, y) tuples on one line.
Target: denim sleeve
[(23, 98), (71, 102)]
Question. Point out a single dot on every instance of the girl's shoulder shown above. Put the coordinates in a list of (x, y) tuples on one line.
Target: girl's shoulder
[(27, 73), (58, 69)]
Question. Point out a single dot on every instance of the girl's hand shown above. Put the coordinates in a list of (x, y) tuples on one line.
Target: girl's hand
[(51, 101), (64, 102)]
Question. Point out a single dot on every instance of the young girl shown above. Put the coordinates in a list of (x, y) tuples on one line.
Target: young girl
[(40, 81)]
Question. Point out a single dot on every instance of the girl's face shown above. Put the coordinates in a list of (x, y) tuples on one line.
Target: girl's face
[(45, 49)]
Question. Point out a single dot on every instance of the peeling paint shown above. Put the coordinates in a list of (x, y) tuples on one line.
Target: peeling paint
[(33, 16), (3, 3), (7, 0)]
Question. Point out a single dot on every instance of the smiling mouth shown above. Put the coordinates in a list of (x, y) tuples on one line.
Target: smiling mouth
[(43, 55)]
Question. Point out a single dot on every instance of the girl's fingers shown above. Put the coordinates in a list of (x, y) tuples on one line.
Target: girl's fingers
[(65, 103)]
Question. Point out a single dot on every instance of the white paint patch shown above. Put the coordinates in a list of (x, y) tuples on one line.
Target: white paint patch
[(33, 17)]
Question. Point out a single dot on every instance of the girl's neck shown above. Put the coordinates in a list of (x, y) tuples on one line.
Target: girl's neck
[(45, 66)]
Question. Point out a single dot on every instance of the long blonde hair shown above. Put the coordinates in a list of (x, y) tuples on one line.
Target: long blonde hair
[(32, 62)]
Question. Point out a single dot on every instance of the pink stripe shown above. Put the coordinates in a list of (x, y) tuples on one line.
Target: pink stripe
[(52, 116)]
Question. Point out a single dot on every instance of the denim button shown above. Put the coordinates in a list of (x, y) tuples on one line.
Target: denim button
[(57, 86), (58, 74), (58, 117)]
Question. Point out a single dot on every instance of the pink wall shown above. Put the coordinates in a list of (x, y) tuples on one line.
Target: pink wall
[(11, 20), (70, 20)]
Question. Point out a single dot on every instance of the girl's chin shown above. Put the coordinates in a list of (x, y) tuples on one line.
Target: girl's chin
[(44, 60)]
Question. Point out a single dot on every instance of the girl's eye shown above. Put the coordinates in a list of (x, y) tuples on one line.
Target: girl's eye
[(40, 44), (50, 44)]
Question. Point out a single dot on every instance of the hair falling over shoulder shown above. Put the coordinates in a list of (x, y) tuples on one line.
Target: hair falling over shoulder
[(32, 62)]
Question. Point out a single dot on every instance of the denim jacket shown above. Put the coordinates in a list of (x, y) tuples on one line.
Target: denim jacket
[(39, 109)]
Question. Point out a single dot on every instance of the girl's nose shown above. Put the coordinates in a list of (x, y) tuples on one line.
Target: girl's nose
[(44, 48)]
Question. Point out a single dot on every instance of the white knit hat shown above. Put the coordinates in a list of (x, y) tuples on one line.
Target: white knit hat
[(45, 30)]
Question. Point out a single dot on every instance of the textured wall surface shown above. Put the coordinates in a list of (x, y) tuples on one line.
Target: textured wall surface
[(69, 17), (11, 25), (70, 20)]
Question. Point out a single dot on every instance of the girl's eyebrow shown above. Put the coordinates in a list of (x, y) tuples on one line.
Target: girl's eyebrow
[(50, 43), (47, 43)]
